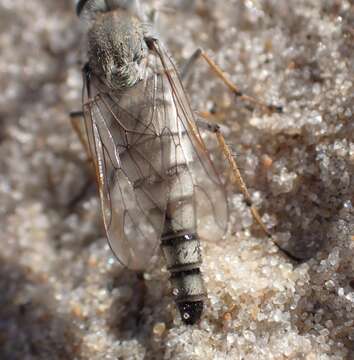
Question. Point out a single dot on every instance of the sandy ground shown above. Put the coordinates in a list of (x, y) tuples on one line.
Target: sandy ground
[(62, 293)]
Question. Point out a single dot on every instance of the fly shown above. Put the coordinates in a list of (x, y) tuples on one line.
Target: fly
[(155, 174)]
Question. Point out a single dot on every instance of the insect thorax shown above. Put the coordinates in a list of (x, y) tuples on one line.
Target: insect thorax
[(116, 49)]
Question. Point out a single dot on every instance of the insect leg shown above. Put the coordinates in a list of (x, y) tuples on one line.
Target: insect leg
[(199, 53), (211, 126), (219, 131), (153, 14), (239, 180), (77, 117), (243, 188), (187, 67)]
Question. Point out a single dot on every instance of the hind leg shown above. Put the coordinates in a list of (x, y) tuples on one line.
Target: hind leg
[(220, 132)]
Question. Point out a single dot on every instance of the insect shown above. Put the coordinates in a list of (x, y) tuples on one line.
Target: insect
[(155, 174)]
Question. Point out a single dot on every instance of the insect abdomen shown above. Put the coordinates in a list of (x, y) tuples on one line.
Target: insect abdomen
[(183, 258)]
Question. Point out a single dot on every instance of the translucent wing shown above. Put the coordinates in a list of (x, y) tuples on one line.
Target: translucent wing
[(205, 167), (154, 171), (124, 133)]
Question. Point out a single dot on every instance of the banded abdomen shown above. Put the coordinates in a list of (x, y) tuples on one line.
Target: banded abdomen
[(183, 258)]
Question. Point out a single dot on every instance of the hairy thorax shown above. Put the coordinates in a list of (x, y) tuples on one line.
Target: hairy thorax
[(117, 49)]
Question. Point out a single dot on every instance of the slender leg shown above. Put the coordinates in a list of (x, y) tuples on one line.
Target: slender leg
[(243, 188), (211, 126), (239, 180), (187, 67), (219, 131), (153, 15), (237, 177), (199, 53), (75, 118)]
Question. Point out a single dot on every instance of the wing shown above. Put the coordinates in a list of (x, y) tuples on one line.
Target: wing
[(206, 165), (127, 151), (149, 154)]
